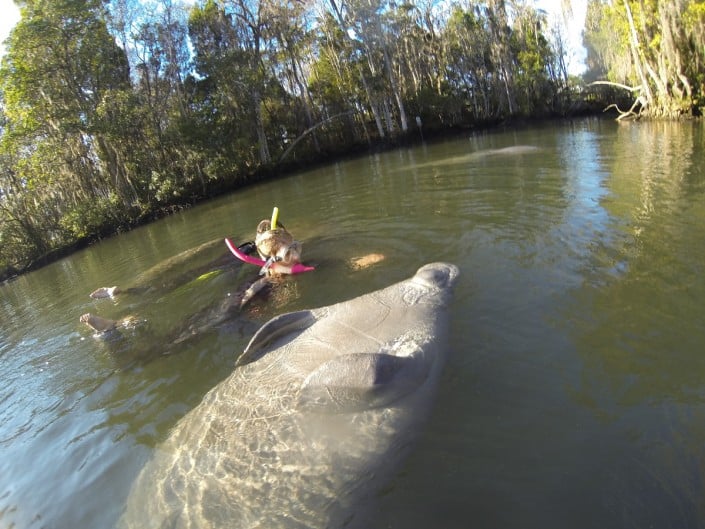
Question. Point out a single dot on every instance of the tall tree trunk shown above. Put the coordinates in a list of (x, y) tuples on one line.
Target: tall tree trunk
[(395, 89), (264, 155), (636, 56), (373, 106)]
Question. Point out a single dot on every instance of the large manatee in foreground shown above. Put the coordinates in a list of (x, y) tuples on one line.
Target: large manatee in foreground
[(316, 415)]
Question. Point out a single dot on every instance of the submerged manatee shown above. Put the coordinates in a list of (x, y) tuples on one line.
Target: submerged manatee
[(169, 274), (316, 415), (475, 156)]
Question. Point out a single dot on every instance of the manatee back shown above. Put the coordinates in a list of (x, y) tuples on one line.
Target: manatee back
[(254, 454)]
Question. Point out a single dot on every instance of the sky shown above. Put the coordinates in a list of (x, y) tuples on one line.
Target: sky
[(9, 14), (574, 30)]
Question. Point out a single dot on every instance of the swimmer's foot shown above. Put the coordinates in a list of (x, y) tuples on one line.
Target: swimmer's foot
[(97, 323), (358, 263), (105, 292)]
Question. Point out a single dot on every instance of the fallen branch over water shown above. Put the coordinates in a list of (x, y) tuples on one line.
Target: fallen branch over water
[(631, 113)]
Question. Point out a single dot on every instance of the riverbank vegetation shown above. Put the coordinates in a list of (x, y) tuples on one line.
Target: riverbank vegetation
[(652, 50), (114, 112)]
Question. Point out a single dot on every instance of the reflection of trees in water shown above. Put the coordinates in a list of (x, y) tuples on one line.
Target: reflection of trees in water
[(652, 168), (639, 331), (643, 331)]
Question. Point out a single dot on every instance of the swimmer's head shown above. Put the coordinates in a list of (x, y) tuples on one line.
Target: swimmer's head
[(277, 243)]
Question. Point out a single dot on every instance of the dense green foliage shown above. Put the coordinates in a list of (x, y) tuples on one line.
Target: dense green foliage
[(115, 111), (653, 48)]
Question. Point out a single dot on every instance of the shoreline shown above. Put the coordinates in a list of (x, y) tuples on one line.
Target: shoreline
[(282, 171)]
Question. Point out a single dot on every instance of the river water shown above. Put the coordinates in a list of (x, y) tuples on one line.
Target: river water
[(574, 394)]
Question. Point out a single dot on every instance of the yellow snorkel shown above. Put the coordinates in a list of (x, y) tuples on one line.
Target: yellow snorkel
[(275, 215), (273, 258)]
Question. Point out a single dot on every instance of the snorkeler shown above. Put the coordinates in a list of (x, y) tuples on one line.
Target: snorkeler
[(277, 248)]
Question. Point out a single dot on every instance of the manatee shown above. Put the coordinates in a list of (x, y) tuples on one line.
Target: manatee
[(514, 150), (317, 414), (167, 275)]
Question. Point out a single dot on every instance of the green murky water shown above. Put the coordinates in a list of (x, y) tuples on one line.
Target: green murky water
[(574, 395)]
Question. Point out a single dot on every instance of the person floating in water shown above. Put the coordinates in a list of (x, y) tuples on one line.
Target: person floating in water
[(278, 251)]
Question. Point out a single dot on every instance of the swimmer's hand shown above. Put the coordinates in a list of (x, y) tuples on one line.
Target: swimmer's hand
[(273, 259)]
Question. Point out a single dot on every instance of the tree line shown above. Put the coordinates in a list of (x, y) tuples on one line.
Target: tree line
[(113, 112)]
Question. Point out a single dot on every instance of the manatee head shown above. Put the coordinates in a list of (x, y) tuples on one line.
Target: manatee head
[(439, 276)]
